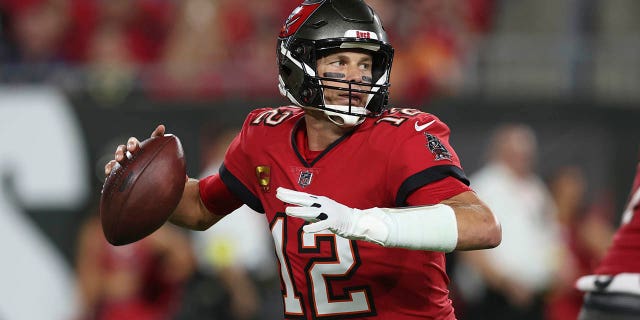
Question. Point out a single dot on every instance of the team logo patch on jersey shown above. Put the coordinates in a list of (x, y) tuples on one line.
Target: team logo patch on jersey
[(437, 148), (263, 173), (304, 179)]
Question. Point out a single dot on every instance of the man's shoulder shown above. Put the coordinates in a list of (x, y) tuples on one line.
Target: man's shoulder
[(406, 122), (276, 110), (273, 116)]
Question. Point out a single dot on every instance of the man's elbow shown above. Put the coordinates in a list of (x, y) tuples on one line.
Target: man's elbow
[(492, 229), (201, 225), (197, 222), (495, 235)]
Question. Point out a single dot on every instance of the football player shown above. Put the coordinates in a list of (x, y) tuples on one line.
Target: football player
[(363, 200), (613, 291)]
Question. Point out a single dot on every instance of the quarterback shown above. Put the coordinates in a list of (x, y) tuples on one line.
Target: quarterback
[(363, 200)]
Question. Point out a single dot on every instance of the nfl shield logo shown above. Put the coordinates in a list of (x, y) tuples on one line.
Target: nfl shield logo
[(304, 179)]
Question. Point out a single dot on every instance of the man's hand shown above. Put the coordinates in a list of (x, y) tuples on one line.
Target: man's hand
[(326, 214), (124, 152)]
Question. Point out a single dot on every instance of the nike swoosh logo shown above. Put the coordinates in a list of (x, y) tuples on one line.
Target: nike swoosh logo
[(424, 126)]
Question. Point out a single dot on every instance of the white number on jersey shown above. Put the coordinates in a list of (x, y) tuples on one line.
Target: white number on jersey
[(345, 261)]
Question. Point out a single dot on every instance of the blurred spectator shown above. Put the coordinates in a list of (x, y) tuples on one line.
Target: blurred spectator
[(144, 25), (587, 231), (33, 47), (112, 71), (216, 46), (37, 29), (193, 52), (117, 41), (142, 280), (510, 281)]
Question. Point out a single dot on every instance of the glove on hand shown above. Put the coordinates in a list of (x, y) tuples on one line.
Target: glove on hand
[(326, 214)]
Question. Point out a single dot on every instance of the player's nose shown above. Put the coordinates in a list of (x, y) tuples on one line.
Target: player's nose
[(354, 74)]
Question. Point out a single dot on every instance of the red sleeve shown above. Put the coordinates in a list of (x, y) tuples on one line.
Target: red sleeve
[(216, 196), (436, 192)]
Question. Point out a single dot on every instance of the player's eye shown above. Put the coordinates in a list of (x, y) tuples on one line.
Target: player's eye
[(336, 63)]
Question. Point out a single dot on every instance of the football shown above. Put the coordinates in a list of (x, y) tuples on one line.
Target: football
[(142, 191)]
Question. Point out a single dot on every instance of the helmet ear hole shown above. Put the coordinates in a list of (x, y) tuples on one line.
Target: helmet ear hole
[(303, 52), (285, 70), (308, 95)]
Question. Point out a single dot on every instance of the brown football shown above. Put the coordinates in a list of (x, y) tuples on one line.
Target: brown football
[(142, 191)]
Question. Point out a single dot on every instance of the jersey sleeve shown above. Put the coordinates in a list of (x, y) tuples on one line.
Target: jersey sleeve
[(422, 155), (235, 171), (437, 192), (216, 197)]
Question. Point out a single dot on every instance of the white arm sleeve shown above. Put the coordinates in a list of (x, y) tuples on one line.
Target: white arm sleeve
[(432, 228)]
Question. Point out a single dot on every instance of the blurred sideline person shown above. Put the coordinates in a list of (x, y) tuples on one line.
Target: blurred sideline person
[(143, 280), (363, 200), (586, 231), (612, 292), (509, 282)]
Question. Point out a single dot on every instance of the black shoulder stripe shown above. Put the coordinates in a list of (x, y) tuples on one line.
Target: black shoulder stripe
[(239, 190), (425, 177)]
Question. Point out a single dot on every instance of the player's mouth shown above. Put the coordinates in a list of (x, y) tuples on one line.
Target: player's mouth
[(354, 99)]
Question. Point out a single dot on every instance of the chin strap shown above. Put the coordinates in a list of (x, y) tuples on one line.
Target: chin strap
[(345, 120)]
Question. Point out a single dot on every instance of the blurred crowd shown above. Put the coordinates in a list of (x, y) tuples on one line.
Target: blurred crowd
[(203, 49)]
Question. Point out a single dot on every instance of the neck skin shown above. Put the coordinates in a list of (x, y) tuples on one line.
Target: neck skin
[(321, 132)]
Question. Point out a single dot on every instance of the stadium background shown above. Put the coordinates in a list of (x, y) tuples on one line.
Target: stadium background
[(567, 68)]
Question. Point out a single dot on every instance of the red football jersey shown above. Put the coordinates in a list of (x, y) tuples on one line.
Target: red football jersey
[(624, 254), (379, 164)]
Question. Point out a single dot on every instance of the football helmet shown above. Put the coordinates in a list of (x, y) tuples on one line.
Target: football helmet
[(318, 27)]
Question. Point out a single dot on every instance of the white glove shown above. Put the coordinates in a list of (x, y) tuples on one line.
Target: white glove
[(326, 214)]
